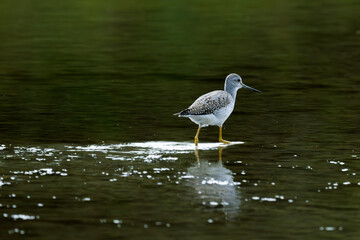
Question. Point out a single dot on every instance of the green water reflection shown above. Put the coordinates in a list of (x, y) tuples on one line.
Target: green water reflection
[(75, 73)]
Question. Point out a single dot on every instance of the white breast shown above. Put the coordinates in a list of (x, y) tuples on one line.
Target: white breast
[(215, 119)]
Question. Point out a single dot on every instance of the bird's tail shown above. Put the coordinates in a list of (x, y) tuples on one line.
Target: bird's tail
[(183, 113)]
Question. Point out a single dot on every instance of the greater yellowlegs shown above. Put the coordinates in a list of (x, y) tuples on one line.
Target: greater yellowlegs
[(215, 107)]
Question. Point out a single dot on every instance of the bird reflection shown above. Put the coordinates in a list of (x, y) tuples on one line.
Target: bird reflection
[(215, 185)]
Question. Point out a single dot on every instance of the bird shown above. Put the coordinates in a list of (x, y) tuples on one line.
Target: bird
[(213, 108)]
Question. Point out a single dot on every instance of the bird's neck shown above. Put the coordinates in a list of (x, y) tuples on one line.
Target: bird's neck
[(231, 90)]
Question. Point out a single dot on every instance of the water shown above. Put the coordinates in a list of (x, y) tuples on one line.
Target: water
[(89, 147)]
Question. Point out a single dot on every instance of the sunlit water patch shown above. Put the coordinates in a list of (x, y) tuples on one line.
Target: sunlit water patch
[(160, 146), (148, 151)]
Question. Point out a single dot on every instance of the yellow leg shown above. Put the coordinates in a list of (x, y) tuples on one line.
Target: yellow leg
[(196, 140), (220, 136)]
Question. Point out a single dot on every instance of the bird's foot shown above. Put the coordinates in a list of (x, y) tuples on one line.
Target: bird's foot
[(224, 141), (196, 140)]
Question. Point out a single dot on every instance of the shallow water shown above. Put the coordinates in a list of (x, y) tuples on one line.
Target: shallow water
[(89, 147), (171, 189)]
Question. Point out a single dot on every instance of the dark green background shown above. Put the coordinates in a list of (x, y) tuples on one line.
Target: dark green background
[(93, 72)]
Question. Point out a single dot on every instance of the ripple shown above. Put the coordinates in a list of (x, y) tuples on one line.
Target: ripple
[(41, 172), (24, 217), (268, 199), (3, 183)]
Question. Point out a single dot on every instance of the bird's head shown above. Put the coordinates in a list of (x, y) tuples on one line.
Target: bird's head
[(234, 81)]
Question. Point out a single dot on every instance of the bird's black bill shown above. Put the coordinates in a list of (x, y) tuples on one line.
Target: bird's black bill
[(250, 88)]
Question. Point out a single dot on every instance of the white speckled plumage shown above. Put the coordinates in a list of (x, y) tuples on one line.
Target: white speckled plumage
[(212, 108), (215, 107)]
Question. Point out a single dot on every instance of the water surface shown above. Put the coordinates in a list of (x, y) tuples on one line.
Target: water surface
[(89, 147)]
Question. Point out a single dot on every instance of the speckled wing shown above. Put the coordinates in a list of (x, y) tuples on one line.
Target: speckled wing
[(208, 103)]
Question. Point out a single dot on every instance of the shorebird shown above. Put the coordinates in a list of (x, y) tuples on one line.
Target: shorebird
[(213, 108)]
